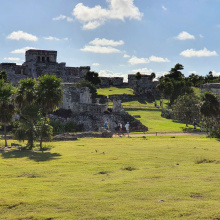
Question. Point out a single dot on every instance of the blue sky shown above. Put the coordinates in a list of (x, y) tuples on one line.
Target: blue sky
[(115, 37)]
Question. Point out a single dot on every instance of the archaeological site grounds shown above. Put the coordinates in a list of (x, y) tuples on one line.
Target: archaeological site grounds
[(168, 167)]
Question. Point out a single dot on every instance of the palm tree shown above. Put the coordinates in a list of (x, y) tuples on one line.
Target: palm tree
[(26, 99), (7, 108), (50, 94)]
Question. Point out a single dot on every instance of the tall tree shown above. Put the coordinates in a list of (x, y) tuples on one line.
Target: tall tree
[(26, 99), (92, 77), (7, 108), (49, 95), (187, 108), (210, 109)]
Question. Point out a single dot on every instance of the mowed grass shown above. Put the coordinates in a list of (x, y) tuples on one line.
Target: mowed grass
[(150, 116), (114, 91), (171, 178)]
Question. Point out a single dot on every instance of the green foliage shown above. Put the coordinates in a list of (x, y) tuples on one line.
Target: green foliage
[(179, 86), (45, 130), (187, 108), (138, 76), (210, 106), (3, 75), (92, 77), (7, 107), (70, 126), (49, 92)]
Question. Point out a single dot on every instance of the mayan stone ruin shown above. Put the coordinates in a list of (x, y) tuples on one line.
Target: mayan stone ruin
[(90, 113)]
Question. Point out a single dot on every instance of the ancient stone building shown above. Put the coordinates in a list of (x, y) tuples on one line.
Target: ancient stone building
[(211, 87), (111, 81), (41, 62)]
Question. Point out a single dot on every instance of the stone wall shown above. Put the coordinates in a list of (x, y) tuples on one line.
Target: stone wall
[(79, 100), (94, 121), (41, 62), (212, 87), (111, 81)]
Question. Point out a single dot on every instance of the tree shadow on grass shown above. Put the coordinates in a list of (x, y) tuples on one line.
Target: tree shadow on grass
[(32, 155)]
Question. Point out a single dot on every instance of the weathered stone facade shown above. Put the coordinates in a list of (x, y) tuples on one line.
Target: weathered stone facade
[(212, 87), (41, 62), (111, 81), (79, 100)]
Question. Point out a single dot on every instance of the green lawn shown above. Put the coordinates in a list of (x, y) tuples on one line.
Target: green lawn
[(150, 116), (114, 91), (171, 178)]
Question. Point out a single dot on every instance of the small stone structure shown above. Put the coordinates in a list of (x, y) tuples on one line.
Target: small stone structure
[(212, 87)]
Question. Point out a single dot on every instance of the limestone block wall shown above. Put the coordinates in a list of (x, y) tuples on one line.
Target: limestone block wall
[(212, 87), (111, 81)]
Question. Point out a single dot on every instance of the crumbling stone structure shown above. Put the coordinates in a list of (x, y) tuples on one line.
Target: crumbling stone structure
[(41, 62), (212, 87), (111, 81)]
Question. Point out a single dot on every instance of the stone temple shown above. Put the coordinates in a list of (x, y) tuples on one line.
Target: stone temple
[(40, 62), (85, 111)]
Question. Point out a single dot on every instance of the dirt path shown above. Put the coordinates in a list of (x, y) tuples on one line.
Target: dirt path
[(163, 134)]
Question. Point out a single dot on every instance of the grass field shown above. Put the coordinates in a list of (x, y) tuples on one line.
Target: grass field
[(150, 116), (135, 178)]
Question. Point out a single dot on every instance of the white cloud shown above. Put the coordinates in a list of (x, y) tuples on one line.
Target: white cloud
[(143, 71), (62, 17), (126, 56), (22, 50), (198, 53), (201, 36), (55, 38), (185, 36), (106, 42), (51, 38), (20, 35), (99, 49), (96, 16), (215, 73), (95, 64), (164, 8), (108, 73), (103, 46), (12, 58), (69, 19), (135, 60), (158, 59)]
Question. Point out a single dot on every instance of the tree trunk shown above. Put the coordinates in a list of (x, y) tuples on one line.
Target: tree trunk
[(5, 132)]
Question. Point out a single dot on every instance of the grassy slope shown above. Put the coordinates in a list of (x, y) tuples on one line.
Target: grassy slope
[(150, 116), (65, 183)]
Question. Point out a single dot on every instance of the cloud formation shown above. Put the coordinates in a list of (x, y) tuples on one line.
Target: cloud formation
[(95, 64), (20, 35), (54, 38), (198, 53), (185, 36), (94, 17), (108, 73), (12, 58), (62, 17), (22, 50), (143, 71), (135, 60), (164, 8), (103, 45)]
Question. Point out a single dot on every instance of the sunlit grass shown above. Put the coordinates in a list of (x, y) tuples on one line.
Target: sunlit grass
[(165, 182), (114, 91)]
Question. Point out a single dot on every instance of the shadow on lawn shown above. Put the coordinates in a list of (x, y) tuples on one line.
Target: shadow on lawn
[(32, 155)]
